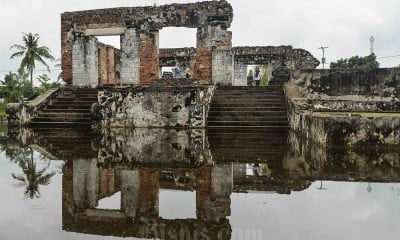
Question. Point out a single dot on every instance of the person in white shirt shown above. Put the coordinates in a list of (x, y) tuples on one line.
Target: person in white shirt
[(257, 76)]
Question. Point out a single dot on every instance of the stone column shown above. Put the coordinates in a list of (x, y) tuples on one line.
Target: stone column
[(130, 190), (222, 67), (130, 60), (213, 38), (85, 62), (86, 183), (240, 74), (149, 60), (213, 193)]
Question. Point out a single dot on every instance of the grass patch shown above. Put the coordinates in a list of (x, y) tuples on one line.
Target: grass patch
[(3, 106)]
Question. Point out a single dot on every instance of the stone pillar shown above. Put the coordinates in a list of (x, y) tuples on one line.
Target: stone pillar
[(240, 74), (213, 193), (130, 60), (86, 183), (130, 190), (85, 62), (139, 192), (222, 67), (212, 38), (149, 59)]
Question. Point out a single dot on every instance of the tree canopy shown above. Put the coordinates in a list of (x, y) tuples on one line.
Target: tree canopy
[(355, 62), (31, 52)]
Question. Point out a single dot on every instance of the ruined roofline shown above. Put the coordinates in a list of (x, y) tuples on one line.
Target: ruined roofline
[(180, 15)]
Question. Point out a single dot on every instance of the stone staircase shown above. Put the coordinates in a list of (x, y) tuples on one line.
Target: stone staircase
[(248, 107), (70, 109), (248, 125)]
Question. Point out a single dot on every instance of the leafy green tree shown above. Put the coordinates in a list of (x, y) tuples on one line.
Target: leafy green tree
[(31, 177), (16, 87), (356, 62), (31, 53), (44, 80)]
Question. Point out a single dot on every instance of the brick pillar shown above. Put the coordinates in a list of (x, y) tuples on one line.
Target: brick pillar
[(139, 192), (213, 38), (130, 60), (149, 191), (215, 186), (106, 65), (149, 59), (85, 62)]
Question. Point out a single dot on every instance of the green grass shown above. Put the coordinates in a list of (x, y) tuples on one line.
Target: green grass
[(3, 106)]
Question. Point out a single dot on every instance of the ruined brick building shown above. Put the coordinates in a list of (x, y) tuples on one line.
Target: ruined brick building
[(87, 62)]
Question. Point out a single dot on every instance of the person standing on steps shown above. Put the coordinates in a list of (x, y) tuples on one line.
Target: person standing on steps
[(177, 71), (257, 76)]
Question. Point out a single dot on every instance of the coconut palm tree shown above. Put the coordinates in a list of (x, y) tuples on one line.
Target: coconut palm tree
[(31, 53), (31, 178)]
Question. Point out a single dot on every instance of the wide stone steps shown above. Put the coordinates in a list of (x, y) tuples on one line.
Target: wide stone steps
[(248, 145), (70, 109), (258, 107)]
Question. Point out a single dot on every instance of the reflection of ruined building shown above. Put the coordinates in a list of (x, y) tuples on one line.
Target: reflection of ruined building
[(86, 62)]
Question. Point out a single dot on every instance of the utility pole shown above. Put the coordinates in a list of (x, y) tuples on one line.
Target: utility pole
[(371, 41), (323, 56)]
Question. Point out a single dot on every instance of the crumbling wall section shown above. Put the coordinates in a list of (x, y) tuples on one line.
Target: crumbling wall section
[(185, 107), (207, 15)]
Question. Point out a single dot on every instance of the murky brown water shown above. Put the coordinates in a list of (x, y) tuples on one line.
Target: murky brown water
[(193, 184)]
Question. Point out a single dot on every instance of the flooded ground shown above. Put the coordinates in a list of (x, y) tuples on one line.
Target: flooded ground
[(193, 184)]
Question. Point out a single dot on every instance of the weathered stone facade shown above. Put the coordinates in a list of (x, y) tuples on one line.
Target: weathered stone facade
[(212, 61), (210, 18), (153, 106), (347, 107)]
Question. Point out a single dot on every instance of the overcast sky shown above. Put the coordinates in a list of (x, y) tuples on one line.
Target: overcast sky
[(343, 25)]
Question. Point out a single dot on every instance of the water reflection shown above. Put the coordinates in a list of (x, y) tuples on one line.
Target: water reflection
[(134, 168)]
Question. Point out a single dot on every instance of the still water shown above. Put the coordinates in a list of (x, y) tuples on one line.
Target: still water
[(193, 184)]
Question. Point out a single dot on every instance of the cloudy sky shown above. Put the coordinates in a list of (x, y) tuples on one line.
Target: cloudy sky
[(343, 25)]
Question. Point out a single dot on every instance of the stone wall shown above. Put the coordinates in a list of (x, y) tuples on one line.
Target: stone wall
[(154, 148), (154, 106), (346, 107), (212, 18)]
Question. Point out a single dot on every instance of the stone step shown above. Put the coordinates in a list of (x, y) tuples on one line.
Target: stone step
[(248, 105), (50, 109), (247, 118), (64, 114), (74, 98), (60, 124), (258, 102), (246, 113), (266, 88), (61, 119), (72, 103), (248, 108), (69, 106), (249, 123)]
